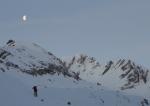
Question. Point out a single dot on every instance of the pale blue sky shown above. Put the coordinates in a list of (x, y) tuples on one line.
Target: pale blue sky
[(105, 29)]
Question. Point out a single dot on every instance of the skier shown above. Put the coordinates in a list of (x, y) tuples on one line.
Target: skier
[(35, 91)]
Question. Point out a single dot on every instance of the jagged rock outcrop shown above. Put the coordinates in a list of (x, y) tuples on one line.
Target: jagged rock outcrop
[(125, 74)]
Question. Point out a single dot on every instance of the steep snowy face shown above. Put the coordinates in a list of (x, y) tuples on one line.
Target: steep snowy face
[(119, 75), (129, 71), (29, 58)]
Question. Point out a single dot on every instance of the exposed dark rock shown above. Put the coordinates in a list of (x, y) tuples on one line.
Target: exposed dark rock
[(82, 59), (10, 42), (144, 102), (4, 54), (10, 64), (2, 69), (107, 67)]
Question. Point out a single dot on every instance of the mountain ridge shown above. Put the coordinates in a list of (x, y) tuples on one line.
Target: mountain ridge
[(119, 75), (32, 64)]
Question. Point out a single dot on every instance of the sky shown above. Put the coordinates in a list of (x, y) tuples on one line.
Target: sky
[(104, 29)]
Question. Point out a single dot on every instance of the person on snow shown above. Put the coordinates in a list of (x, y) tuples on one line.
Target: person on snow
[(35, 91)]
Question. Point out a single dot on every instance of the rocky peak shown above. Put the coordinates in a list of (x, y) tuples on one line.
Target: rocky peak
[(11, 43), (83, 59)]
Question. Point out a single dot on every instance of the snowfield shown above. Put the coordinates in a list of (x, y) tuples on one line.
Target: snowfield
[(16, 90), (79, 81)]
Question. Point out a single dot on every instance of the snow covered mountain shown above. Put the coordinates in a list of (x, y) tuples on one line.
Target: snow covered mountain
[(123, 75), (78, 81), (29, 58)]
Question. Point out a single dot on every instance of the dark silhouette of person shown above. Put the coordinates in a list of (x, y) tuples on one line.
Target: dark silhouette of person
[(35, 91)]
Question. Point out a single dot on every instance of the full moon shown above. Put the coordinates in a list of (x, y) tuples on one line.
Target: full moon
[(24, 18)]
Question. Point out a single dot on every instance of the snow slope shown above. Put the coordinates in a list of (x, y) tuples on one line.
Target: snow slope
[(80, 81), (54, 90)]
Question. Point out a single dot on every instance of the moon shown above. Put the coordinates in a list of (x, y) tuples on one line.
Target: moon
[(24, 18)]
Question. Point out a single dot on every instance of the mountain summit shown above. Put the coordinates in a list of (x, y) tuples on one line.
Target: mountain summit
[(29, 58)]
